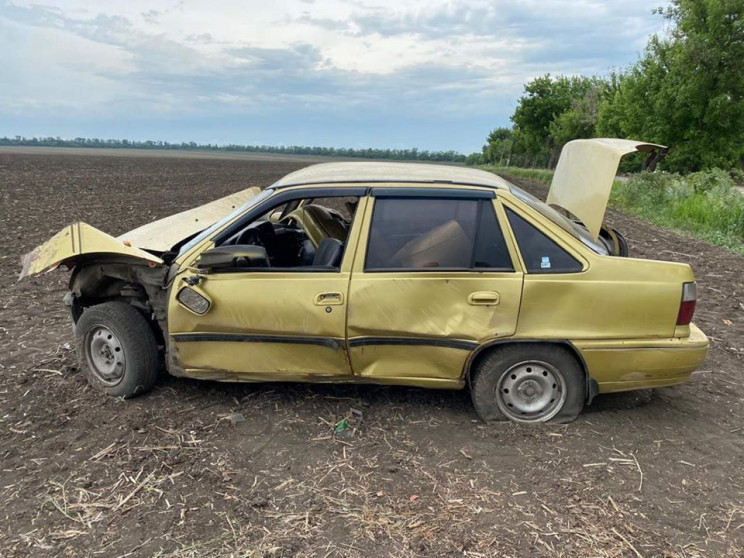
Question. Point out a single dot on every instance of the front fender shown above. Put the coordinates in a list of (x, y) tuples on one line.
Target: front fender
[(80, 243)]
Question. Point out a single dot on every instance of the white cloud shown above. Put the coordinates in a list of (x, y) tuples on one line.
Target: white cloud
[(374, 36), (51, 69), (200, 56)]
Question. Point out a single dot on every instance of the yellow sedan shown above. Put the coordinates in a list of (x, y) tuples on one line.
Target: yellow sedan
[(408, 274)]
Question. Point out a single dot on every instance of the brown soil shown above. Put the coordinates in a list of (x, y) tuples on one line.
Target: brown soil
[(650, 474)]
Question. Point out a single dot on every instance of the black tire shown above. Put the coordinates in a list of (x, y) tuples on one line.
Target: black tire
[(513, 378), (624, 251), (117, 348), (606, 238)]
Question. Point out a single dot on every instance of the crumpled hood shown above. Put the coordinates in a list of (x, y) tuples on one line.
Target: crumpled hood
[(81, 243), (584, 176), (77, 243), (163, 234)]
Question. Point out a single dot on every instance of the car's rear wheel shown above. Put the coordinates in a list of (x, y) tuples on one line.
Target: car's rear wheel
[(528, 383), (117, 348)]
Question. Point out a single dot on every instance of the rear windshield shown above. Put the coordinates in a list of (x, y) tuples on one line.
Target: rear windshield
[(573, 228)]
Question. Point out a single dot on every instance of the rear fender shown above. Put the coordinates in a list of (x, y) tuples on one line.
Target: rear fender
[(481, 352)]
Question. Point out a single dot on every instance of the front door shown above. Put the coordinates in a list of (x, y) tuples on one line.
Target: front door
[(433, 278), (272, 323)]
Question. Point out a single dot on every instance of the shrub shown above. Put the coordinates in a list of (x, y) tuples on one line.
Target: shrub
[(705, 181), (738, 176), (704, 203)]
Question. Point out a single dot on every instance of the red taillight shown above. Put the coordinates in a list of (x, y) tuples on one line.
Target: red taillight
[(687, 306)]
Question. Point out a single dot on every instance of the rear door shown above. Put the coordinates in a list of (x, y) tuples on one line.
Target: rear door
[(433, 278)]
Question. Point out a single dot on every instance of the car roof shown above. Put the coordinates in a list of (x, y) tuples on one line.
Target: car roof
[(387, 173)]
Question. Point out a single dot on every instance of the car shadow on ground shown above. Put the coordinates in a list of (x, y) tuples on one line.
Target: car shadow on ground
[(622, 401), (297, 391), (295, 395)]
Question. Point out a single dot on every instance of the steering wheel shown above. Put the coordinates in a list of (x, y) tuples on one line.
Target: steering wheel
[(250, 236)]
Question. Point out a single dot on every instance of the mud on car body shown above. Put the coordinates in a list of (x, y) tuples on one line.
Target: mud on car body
[(391, 273)]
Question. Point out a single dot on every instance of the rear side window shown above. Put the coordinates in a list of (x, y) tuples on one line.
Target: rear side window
[(540, 253), (490, 247), (430, 234)]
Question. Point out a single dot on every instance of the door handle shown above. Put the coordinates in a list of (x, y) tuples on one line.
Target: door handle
[(483, 298), (328, 299)]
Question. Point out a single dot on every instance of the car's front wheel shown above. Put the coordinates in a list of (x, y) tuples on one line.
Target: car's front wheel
[(528, 383), (117, 348)]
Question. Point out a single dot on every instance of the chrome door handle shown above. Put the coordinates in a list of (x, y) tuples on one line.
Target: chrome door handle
[(328, 299), (483, 298)]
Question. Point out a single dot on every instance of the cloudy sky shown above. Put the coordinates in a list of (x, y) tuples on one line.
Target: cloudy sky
[(431, 74)]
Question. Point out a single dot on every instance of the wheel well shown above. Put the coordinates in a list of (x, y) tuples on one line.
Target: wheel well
[(138, 286), (482, 352)]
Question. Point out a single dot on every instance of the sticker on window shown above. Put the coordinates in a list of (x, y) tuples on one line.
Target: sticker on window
[(545, 262)]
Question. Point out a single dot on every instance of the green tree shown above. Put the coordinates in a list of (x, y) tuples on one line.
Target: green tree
[(580, 120), (545, 99), (687, 90), (474, 159), (498, 146), (370, 153)]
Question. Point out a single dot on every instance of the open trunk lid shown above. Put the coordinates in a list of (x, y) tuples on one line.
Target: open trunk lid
[(584, 175)]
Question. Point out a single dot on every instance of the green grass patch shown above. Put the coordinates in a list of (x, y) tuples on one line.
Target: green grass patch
[(704, 204)]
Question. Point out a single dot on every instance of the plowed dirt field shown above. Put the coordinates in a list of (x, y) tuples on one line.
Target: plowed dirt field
[(167, 474)]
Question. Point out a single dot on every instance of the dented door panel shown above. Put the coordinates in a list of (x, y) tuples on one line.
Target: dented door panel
[(422, 324), (267, 324), (264, 322), (425, 324)]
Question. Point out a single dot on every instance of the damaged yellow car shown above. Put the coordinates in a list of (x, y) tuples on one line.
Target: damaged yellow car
[(408, 274)]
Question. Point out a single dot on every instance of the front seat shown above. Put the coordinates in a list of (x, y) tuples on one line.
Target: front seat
[(329, 253)]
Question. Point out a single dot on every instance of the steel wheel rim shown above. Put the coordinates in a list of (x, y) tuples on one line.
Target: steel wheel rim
[(105, 355), (531, 391)]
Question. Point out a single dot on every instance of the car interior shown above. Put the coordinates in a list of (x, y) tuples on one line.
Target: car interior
[(422, 233), (301, 234)]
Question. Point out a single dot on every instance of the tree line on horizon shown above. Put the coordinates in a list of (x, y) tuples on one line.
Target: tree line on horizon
[(686, 91), (412, 154)]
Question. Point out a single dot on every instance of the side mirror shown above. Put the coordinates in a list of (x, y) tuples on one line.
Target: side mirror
[(193, 298), (231, 257)]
